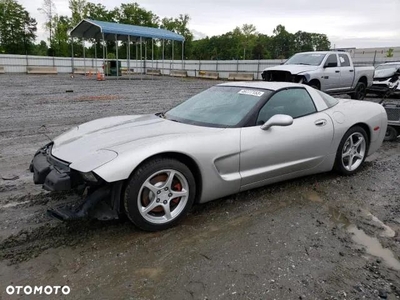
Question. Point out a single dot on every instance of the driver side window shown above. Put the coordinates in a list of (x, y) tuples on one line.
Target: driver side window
[(293, 102)]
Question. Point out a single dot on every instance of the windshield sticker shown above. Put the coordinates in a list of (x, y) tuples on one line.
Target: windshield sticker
[(251, 93)]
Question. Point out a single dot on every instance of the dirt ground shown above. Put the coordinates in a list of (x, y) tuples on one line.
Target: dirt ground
[(319, 237)]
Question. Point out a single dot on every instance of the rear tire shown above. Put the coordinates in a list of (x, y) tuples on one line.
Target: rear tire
[(391, 134), (352, 151), (360, 91), (159, 194)]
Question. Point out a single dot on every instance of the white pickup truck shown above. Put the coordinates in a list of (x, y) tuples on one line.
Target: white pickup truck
[(330, 71)]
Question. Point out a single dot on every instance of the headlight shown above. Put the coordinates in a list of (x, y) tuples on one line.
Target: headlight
[(89, 177)]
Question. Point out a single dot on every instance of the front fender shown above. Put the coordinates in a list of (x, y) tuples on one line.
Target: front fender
[(216, 155), (306, 77)]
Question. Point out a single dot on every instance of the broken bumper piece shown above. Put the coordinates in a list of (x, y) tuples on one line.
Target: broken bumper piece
[(54, 174)]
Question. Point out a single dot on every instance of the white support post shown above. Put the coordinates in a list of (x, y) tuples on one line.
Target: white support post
[(141, 57), (72, 59), (95, 55), (129, 56), (163, 56), (152, 54), (183, 55), (116, 55), (173, 61), (84, 56)]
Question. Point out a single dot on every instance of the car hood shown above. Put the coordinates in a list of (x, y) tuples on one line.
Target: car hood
[(293, 69), (384, 73), (100, 137)]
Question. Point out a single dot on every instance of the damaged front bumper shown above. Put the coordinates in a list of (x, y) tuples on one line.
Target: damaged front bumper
[(386, 86), (56, 175)]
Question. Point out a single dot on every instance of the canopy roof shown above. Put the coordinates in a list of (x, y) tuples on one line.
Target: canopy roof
[(91, 29)]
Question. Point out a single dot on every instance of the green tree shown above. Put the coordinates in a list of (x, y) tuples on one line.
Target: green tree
[(40, 49), (97, 12), (132, 13), (283, 43), (320, 42), (249, 32), (303, 41), (389, 53), (180, 26), (77, 8), (61, 40), (17, 28)]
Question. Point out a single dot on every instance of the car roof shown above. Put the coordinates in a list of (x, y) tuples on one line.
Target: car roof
[(267, 85)]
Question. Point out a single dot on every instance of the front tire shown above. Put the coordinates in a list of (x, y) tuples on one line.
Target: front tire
[(352, 151), (159, 194)]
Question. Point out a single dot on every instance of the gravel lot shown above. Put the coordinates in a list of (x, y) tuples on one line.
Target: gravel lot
[(319, 237)]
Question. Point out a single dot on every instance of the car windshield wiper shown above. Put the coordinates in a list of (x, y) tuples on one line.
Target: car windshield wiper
[(173, 120), (303, 64)]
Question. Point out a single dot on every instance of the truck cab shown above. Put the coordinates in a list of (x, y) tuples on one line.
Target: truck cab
[(329, 71)]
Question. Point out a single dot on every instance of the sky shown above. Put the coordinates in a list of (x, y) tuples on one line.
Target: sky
[(347, 23)]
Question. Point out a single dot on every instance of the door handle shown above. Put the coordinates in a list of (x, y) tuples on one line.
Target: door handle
[(337, 71), (351, 70), (321, 122)]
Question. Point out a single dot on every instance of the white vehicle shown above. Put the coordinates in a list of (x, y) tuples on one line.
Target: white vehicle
[(230, 138), (332, 72), (386, 79)]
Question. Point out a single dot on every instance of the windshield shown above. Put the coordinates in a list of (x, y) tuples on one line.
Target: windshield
[(389, 66), (309, 59), (219, 106)]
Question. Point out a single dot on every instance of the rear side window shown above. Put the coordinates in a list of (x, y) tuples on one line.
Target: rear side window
[(293, 102), (329, 100), (344, 60)]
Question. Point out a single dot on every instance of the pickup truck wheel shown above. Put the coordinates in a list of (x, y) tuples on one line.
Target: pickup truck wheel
[(159, 194), (360, 91), (315, 84), (391, 134)]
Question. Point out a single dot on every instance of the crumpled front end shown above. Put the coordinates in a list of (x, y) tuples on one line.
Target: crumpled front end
[(390, 85), (282, 76), (57, 175), (53, 173)]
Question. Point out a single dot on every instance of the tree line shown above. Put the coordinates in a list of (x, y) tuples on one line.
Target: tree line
[(18, 33)]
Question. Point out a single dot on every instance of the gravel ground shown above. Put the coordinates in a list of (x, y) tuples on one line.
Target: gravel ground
[(318, 237)]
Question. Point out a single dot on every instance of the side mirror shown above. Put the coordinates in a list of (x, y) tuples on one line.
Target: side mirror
[(277, 120), (331, 65)]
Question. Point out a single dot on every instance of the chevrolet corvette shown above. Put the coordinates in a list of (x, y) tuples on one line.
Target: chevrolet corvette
[(229, 138)]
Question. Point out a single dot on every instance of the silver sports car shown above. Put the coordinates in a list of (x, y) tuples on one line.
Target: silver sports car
[(227, 139)]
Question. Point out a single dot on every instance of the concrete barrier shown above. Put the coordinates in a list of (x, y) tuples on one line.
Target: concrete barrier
[(178, 73), (2, 70), (83, 71), (41, 70), (125, 71), (153, 72), (208, 75), (241, 76)]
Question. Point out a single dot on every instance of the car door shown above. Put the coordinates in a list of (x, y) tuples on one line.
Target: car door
[(346, 72), (267, 154), (330, 79)]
